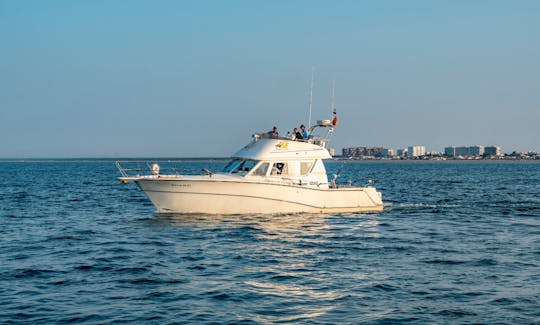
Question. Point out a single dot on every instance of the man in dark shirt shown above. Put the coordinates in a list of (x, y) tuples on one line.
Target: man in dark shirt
[(297, 135), (274, 133)]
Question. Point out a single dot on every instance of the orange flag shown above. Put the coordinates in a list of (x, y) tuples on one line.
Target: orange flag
[(335, 121)]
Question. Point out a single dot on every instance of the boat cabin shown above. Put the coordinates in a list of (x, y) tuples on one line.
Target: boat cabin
[(281, 160)]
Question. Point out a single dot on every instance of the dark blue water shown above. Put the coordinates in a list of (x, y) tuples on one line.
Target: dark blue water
[(459, 244)]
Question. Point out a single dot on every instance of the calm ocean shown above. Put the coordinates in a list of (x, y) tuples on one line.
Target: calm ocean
[(459, 243)]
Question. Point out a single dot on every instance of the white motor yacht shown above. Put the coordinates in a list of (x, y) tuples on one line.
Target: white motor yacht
[(270, 175)]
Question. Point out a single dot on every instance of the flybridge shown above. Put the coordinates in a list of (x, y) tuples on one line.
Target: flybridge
[(282, 148), (318, 140)]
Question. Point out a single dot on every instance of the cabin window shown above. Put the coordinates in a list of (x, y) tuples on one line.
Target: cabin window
[(247, 165), (305, 167), (261, 170), (240, 166), (232, 165), (280, 168)]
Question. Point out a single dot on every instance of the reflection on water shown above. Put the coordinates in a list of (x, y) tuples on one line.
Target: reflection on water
[(291, 258), (289, 225)]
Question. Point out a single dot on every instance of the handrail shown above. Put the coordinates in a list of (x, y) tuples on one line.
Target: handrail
[(130, 168), (121, 169), (322, 141)]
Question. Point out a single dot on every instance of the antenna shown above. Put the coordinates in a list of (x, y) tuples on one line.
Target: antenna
[(311, 97), (333, 106)]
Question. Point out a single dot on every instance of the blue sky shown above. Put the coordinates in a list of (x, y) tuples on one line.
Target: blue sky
[(197, 78)]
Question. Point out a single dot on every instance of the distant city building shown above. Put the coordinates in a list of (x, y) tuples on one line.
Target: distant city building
[(416, 151), (359, 152), (450, 151), (419, 152), (332, 152), (387, 153), (352, 152), (472, 151), (476, 150), (462, 151), (492, 151), (374, 152)]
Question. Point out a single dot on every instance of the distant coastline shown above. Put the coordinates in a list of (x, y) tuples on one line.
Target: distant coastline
[(106, 159), (224, 159), (419, 161)]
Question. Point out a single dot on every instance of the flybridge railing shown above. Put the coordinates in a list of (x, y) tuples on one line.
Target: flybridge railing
[(318, 140), (134, 168)]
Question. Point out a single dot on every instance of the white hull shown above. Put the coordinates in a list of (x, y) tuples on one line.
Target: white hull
[(232, 196)]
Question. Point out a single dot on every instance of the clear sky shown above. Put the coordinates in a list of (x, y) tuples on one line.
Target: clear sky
[(197, 78)]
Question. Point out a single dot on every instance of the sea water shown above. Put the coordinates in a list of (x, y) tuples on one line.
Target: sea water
[(458, 242)]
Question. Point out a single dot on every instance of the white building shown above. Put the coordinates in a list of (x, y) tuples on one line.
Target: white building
[(416, 151)]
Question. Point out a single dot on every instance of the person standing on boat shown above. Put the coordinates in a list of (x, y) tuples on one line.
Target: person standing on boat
[(297, 135), (305, 133), (274, 133)]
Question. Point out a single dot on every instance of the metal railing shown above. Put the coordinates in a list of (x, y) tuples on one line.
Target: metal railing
[(318, 140), (133, 168)]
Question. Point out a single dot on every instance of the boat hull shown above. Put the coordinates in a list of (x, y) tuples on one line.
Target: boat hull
[(236, 197)]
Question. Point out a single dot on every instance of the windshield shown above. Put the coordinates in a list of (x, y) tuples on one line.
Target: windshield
[(233, 164), (240, 166)]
